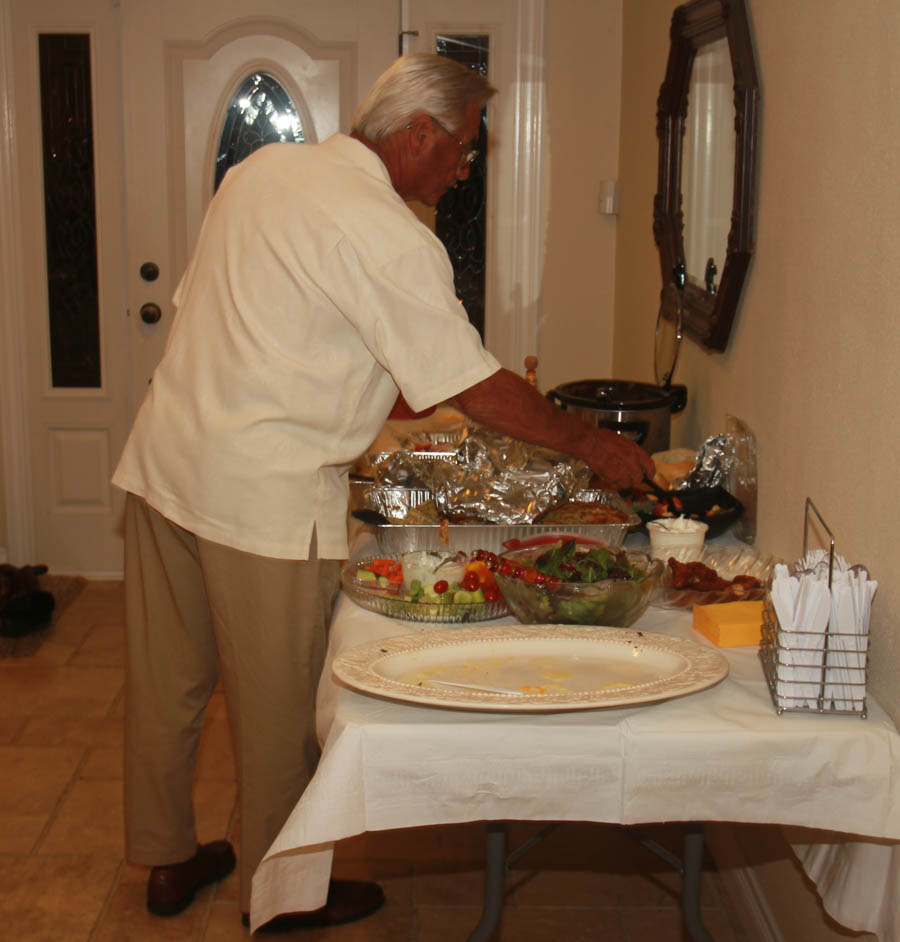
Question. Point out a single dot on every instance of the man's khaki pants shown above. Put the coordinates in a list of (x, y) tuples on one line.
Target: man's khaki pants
[(194, 607)]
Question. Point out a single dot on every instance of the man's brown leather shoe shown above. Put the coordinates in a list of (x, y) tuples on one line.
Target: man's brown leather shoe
[(171, 889), (348, 900)]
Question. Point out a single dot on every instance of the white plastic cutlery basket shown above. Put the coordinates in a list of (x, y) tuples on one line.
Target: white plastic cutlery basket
[(819, 661), (812, 671)]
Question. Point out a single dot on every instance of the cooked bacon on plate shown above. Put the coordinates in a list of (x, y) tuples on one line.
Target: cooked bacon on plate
[(702, 578)]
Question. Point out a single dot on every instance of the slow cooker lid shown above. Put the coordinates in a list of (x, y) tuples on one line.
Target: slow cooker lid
[(616, 394), (669, 330)]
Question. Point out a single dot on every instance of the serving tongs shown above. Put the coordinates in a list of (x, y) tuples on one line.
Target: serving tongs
[(373, 518), (655, 489)]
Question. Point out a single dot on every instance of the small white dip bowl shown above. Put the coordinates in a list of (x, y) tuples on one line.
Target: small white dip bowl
[(677, 536)]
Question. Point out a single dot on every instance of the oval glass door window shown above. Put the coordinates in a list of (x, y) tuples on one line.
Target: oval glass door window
[(261, 112)]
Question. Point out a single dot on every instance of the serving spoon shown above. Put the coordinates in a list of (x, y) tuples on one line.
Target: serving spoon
[(479, 687)]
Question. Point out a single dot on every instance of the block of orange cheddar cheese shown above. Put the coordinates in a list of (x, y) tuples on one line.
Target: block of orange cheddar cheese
[(730, 624)]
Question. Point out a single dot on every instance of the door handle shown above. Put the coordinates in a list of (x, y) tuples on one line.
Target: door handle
[(149, 271), (150, 313)]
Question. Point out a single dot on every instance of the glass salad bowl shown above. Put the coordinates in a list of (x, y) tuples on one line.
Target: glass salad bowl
[(615, 592)]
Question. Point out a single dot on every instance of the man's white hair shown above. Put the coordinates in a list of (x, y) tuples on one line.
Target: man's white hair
[(419, 83)]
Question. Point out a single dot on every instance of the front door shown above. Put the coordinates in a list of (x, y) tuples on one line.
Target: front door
[(183, 65), (162, 77), (61, 77)]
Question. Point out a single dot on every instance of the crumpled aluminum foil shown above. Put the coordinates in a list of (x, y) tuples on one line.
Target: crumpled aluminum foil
[(715, 459), (408, 468), (491, 477)]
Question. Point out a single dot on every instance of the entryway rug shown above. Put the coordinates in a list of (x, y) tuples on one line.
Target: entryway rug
[(64, 589)]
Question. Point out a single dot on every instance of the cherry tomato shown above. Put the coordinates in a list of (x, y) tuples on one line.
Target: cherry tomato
[(470, 581), (441, 586)]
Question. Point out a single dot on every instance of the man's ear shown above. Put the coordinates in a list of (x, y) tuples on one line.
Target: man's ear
[(420, 130)]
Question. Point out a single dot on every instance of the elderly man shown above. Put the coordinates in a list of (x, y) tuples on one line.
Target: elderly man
[(314, 298)]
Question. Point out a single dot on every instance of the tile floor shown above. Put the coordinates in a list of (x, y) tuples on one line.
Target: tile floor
[(63, 876)]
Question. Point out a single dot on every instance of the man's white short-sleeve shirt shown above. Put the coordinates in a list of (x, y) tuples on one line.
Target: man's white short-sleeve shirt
[(313, 296)]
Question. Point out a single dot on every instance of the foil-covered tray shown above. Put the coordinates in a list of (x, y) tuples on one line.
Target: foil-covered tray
[(395, 539), (487, 476)]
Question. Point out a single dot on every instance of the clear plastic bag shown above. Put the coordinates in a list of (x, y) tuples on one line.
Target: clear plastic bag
[(742, 482)]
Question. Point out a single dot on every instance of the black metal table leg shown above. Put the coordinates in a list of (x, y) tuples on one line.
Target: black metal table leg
[(690, 883), (496, 864), (494, 881)]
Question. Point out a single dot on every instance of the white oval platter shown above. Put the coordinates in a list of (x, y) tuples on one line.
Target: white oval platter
[(531, 668)]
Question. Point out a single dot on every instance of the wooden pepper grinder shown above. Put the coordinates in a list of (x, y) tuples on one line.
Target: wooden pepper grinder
[(531, 371)]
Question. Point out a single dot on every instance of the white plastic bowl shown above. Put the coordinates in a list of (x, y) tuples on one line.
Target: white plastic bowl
[(677, 537)]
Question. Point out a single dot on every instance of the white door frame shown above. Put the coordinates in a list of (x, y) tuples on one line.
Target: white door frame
[(512, 339), (16, 461), (517, 335)]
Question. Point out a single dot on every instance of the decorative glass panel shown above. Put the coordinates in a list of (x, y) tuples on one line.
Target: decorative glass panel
[(70, 218), (261, 112), (460, 219)]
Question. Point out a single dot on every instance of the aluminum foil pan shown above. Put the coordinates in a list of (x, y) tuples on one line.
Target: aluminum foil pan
[(489, 476), (401, 537), (503, 480)]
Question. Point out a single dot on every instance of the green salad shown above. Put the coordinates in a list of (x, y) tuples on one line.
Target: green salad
[(571, 583), (570, 563)]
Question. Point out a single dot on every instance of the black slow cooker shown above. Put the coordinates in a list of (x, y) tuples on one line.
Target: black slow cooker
[(640, 411)]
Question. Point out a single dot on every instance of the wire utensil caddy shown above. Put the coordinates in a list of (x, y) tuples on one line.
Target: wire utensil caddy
[(814, 672)]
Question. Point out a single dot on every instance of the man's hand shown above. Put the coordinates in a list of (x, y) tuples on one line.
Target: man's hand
[(506, 403), (616, 460)]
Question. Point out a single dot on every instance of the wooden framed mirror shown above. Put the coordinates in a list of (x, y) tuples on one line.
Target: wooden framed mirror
[(704, 208)]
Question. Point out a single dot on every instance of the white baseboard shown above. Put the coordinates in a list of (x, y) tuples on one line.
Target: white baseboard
[(773, 898), (114, 575)]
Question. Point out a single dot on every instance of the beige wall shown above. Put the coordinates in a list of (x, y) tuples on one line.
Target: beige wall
[(584, 64), (811, 366), (3, 540)]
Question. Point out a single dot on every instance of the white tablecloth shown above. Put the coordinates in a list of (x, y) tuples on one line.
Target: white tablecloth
[(719, 755)]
